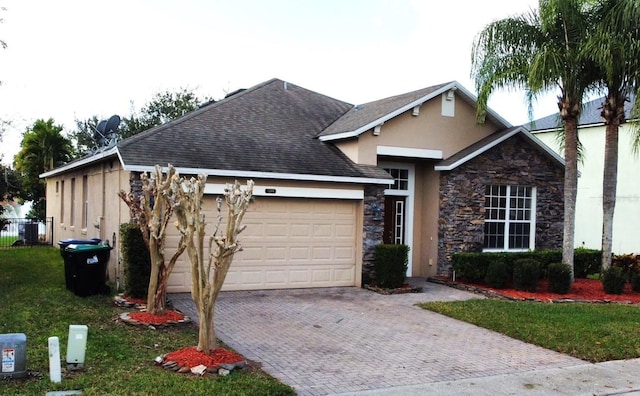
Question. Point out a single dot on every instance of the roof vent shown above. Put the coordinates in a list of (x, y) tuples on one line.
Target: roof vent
[(285, 85)]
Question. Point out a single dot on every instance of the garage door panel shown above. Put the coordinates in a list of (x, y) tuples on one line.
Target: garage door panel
[(289, 243)]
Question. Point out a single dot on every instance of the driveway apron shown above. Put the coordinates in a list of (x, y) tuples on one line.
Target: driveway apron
[(337, 340)]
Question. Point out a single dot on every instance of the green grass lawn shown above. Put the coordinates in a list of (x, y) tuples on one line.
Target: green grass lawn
[(6, 240), (119, 358), (593, 332)]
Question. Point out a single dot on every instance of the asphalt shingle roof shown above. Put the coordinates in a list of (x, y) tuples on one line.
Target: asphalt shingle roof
[(363, 114), (589, 115), (272, 128)]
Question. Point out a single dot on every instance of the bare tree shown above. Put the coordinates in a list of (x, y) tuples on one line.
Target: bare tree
[(208, 272), (153, 211)]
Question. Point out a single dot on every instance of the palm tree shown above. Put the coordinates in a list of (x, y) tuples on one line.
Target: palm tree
[(615, 46), (540, 51), (43, 148)]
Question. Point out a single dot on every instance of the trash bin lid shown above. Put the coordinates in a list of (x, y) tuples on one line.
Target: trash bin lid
[(86, 248), (67, 242)]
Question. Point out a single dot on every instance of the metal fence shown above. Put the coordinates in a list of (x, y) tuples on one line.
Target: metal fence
[(26, 232)]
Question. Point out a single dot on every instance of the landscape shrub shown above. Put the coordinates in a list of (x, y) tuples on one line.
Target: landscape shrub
[(135, 260), (586, 262), (613, 280), (471, 267), (526, 273), (630, 264), (390, 263), (497, 275), (635, 282), (559, 278)]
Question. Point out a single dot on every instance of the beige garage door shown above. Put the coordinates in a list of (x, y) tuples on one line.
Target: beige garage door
[(291, 243)]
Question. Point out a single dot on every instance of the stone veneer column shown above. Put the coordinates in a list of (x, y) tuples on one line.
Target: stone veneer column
[(372, 228)]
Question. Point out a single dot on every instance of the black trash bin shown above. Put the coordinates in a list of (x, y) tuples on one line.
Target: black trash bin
[(65, 255), (88, 268)]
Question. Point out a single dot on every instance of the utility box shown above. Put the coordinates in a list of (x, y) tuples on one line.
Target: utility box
[(76, 346), (13, 351)]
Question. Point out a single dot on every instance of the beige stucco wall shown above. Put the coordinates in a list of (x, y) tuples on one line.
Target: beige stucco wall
[(105, 210), (588, 230), (430, 130)]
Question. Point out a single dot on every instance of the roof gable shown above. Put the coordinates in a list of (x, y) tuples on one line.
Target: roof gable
[(362, 118), (491, 141)]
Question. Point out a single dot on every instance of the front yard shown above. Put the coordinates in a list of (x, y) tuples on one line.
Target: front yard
[(593, 332), (119, 358)]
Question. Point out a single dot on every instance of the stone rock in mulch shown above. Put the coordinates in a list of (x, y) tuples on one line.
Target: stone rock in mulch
[(399, 290), (123, 301), (221, 370)]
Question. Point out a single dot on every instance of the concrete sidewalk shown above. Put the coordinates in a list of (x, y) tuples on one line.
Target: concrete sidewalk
[(353, 341), (608, 378)]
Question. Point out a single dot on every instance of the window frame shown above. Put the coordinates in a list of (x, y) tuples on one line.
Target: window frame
[(510, 214)]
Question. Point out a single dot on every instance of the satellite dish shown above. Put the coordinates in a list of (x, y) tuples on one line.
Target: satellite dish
[(101, 126), (112, 124)]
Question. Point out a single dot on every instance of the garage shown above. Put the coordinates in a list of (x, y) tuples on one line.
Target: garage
[(290, 243)]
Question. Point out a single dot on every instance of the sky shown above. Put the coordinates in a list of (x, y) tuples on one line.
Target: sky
[(71, 59)]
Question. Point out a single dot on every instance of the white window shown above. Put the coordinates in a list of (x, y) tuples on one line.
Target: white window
[(509, 219)]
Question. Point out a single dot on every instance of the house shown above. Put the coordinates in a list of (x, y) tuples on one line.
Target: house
[(591, 133), (332, 180)]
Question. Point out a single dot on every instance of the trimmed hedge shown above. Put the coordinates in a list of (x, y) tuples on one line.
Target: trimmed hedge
[(586, 262), (473, 267), (497, 275), (135, 260), (559, 278), (613, 280), (390, 263), (526, 273)]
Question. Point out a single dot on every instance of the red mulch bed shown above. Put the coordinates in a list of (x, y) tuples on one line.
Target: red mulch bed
[(168, 317), (582, 290), (190, 357)]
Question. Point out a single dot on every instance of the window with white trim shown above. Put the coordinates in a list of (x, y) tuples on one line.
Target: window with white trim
[(400, 178), (509, 219)]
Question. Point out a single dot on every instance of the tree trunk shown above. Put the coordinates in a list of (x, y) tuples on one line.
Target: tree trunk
[(613, 115), (206, 330), (156, 297), (570, 191)]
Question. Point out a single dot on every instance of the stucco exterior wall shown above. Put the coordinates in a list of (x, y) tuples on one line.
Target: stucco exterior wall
[(588, 231), (429, 130), (105, 211), (462, 194)]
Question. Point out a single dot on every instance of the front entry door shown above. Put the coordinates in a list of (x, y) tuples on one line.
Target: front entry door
[(394, 219)]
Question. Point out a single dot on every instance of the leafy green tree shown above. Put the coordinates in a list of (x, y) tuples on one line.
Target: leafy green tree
[(42, 149), (82, 136), (540, 51), (163, 107), (9, 190), (615, 46)]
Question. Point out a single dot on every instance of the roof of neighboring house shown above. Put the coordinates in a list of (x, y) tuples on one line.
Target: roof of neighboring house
[(362, 118), (590, 115), (491, 141)]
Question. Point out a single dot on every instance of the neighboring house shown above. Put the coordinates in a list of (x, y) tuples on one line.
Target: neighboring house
[(332, 180), (591, 133)]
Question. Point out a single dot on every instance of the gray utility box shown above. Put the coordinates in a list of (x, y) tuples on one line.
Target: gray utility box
[(13, 351)]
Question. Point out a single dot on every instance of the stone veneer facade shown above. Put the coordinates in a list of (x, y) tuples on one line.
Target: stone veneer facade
[(462, 191), (372, 228)]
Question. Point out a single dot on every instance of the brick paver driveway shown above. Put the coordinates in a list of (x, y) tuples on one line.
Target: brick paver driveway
[(335, 340)]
